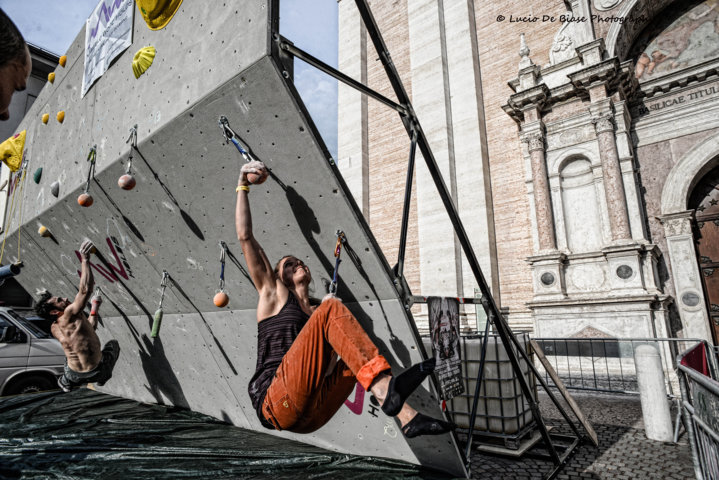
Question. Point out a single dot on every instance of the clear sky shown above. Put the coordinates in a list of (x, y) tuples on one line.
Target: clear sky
[(310, 24)]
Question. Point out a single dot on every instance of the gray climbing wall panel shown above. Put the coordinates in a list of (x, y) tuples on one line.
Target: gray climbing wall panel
[(208, 64)]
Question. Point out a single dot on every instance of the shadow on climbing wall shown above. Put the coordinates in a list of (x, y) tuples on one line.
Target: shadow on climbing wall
[(159, 374)]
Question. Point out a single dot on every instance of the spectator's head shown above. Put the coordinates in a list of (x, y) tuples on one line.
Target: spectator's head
[(15, 63)]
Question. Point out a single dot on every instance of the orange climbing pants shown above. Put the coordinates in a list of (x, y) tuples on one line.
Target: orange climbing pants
[(302, 396)]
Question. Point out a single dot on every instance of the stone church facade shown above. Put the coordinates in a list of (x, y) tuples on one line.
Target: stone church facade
[(580, 141)]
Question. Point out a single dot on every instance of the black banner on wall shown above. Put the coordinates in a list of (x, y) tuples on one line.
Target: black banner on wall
[(444, 331)]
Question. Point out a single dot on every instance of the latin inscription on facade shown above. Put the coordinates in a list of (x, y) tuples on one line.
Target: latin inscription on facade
[(693, 96)]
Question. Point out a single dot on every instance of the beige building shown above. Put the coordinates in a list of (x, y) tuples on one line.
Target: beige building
[(580, 141)]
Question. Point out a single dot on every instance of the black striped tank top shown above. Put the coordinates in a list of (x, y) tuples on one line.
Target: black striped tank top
[(274, 338)]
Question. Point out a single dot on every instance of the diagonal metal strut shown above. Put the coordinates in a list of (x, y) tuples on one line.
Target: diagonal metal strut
[(333, 72)]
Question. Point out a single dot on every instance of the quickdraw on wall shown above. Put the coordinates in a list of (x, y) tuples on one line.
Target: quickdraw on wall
[(157, 321), (221, 298), (127, 181), (231, 136), (341, 239), (85, 199)]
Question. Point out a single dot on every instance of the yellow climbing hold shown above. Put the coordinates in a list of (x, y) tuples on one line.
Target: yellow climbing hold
[(62, 61), (43, 231), (45, 117), (158, 13), (61, 116), (51, 77), (142, 61), (11, 151)]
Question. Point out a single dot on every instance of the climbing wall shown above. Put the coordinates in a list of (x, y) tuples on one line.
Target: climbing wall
[(209, 62)]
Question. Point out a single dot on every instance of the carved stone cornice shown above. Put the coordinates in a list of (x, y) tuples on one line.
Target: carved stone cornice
[(617, 77), (604, 72), (683, 78), (532, 97), (545, 258), (629, 84), (535, 97)]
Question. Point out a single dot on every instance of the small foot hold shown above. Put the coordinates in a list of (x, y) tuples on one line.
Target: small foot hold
[(402, 386), (424, 425)]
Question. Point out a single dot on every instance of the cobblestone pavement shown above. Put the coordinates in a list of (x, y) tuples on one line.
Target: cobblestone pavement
[(624, 451)]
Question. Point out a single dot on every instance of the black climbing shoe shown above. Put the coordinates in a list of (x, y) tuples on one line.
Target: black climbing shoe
[(66, 387), (402, 386), (424, 425)]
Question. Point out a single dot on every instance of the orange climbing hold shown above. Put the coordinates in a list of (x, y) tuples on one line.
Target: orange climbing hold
[(126, 182), (221, 299), (43, 231), (61, 116), (85, 200), (257, 178), (62, 61)]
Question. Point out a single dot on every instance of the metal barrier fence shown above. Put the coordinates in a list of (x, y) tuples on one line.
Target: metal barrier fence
[(607, 364), (700, 402)]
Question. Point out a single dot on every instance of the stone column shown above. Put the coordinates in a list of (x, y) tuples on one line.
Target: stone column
[(612, 172), (352, 112), (439, 252), (469, 137), (542, 200)]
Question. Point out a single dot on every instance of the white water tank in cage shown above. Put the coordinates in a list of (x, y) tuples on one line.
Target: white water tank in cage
[(502, 409)]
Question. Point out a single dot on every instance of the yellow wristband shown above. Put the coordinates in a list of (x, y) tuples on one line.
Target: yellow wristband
[(246, 188)]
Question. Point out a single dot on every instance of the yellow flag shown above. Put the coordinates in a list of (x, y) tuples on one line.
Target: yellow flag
[(11, 151)]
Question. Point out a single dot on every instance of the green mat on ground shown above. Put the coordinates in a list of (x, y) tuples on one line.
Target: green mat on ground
[(90, 435)]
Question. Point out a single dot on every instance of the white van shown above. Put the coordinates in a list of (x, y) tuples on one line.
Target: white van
[(31, 360)]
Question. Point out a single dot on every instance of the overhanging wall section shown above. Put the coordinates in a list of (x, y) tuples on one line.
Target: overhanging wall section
[(198, 51), (208, 64)]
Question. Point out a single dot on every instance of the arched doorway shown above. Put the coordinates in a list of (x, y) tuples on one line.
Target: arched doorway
[(704, 201)]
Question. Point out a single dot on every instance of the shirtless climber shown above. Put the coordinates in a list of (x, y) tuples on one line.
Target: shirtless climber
[(297, 385), (85, 362)]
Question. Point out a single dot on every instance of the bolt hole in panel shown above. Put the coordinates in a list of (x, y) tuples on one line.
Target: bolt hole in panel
[(183, 205)]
